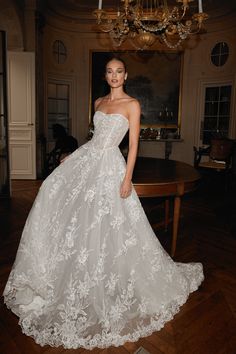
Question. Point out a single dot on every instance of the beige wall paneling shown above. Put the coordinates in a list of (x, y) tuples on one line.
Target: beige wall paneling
[(11, 21), (21, 88), (199, 72), (81, 41)]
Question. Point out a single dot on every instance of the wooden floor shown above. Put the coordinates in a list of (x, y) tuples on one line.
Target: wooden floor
[(206, 324)]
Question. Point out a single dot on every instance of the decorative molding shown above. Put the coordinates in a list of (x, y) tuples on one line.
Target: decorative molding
[(17, 150), (20, 134)]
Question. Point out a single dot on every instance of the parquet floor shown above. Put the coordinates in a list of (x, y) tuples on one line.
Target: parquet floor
[(206, 324)]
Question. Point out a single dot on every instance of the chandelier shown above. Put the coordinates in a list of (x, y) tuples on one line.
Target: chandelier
[(143, 21)]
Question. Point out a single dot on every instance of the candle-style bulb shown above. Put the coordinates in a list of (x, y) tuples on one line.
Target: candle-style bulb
[(99, 4), (200, 6)]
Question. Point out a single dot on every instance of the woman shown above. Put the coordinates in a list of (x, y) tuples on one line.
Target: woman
[(89, 270)]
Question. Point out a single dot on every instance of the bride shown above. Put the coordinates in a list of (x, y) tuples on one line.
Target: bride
[(89, 270)]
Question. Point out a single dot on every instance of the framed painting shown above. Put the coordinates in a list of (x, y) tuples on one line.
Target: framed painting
[(154, 78)]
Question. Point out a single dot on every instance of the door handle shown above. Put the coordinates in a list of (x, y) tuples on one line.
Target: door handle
[(30, 124)]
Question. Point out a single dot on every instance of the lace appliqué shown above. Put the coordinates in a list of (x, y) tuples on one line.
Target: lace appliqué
[(89, 270)]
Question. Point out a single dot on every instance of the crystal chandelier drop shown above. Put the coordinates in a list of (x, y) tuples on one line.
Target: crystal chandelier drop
[(143, 21)]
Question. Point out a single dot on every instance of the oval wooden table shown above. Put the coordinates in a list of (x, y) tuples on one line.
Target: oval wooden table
[(165, 178)]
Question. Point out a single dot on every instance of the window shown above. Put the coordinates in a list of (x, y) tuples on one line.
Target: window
[(219, 54), (216, 113), (58, 107), (59, 52)]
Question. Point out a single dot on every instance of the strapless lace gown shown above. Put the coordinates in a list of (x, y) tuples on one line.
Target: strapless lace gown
[(89, 270)]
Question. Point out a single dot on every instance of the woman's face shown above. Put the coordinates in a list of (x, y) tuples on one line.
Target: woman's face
[(115, 73)]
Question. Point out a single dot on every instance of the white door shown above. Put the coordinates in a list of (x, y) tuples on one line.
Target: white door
[(21, 101)]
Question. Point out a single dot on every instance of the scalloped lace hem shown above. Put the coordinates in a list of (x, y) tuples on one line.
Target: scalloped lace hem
[(51, 336)]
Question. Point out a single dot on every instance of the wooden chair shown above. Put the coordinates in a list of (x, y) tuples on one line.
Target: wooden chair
[(219, 154), (216, 157)]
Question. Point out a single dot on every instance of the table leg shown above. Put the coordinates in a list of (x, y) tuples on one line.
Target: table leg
[(177, 203), (167, 212)]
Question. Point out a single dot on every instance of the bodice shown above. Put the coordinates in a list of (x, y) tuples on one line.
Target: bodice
[(109, 129)]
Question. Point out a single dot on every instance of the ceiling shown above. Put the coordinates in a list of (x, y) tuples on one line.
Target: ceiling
[(73, 8)]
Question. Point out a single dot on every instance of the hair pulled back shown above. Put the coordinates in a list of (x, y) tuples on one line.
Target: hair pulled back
[(117, 58)]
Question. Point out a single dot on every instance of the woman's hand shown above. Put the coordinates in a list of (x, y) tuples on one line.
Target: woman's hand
[(125, 188)]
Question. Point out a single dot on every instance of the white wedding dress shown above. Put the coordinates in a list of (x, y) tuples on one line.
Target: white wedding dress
[(89, 270)]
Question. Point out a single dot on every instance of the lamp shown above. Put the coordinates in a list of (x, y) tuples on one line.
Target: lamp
[(143, 21)]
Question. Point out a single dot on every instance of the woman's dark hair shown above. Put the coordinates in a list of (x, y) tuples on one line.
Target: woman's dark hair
[(117, 58), (58, 130)]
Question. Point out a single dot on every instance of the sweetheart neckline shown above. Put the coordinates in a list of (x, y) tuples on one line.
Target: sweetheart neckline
[(113, 114)]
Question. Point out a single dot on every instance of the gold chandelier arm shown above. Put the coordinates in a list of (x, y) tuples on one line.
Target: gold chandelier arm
[(99, 14), (199, 18)]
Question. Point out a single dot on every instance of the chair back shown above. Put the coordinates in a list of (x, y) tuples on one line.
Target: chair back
[(221, 149)]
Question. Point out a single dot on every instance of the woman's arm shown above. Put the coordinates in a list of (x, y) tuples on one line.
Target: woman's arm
[(134, 131), (97, 103)]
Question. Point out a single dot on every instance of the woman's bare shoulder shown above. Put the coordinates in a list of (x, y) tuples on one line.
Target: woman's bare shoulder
[(133, 109), (134, 104), (97, 102)]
